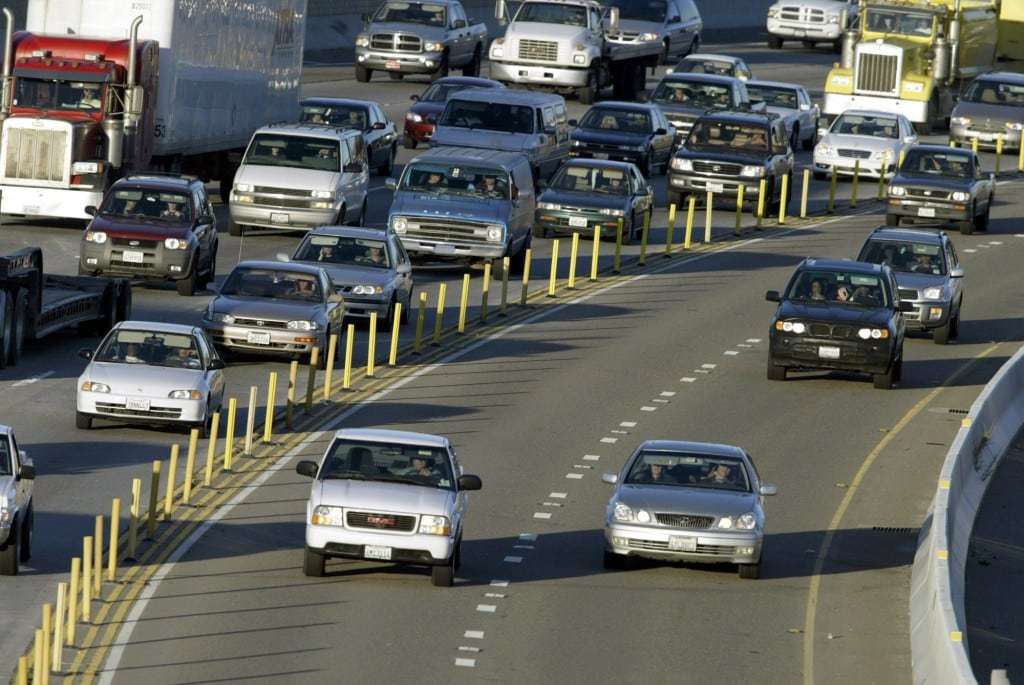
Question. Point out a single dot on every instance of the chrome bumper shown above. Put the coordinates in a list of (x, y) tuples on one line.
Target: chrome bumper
[(712, 546)]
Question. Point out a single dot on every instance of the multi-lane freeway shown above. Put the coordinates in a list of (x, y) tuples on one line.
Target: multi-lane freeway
[(540, 410)]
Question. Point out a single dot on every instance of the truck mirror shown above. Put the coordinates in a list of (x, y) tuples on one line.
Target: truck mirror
[(613, 20), (366, 19), (85, 353), (27, 472), (134, 101), (90, 210), (499, 11)]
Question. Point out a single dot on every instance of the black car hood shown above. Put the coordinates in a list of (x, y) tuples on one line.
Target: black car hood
[(584, 199), (595, 135), (834, 313), (733, 156), (929, 181)]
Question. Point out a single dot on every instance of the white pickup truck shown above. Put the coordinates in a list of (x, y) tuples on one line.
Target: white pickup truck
[(570, 46), (16, 476), (810, 22)]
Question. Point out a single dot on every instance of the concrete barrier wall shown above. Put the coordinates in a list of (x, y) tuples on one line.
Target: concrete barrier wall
[(937, 622)]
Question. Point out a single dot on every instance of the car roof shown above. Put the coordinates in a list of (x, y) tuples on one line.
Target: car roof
[(310, 130), (711, 57), (742, 117), (620, 104), (5, 430), (774, 84), (158, 181), (392, 436), (297, 267), (477, 81), (505, 160), (1002, 76), (871, 113), (708, 448), (508, 96), (828, 263), (336, 101), (931, 147), (351, 232), (157, 327), (702, 78), (597, 163), (916, 235)]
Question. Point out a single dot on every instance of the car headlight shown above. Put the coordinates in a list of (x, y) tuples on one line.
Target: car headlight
[(303, 326), (495, 234), (932, 293), (612, 212), (243, 188), (797, 327), (747, 521), (98, 237), (413, 117), (367, 290), (550, 206), (840, 80), (185, 395), (961, 196), (579, 59), (643, 516), (577, 143), (622, 512), (399, 224), (773, 12), (823, 149), (648, 37), (328, 516), (833, 19), (897, 191), (244, 199), (682, 164), (960, 121), (433, 46), (873, 333), (725, 522), (222, 318), (497, 50), (87, 168), (362, 41), (5, 516), (323, 194), (435, 525), (89, 386), (752, 171), (912, 87), (633, 148), (176, 244), (1015, 125)]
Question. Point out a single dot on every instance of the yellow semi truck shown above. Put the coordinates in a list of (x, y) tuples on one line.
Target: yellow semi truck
[(914, 56)]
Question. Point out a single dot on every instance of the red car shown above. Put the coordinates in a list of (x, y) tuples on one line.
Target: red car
[(419, 120)]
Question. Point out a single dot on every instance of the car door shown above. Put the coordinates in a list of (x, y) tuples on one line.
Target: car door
[(691, 26), (355, 181), (202, 231), (782, 155), (524, 202), (675, 32), (953, 262), (403, 269), (213, 379), (547, 135), (461, 500), (459, 34), (23, 487), (984, 185)]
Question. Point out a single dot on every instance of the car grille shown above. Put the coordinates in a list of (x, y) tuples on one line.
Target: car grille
[(135, 244), (270, 190), (155, 412), (854, 154), (802, 14), (545, 50), (398, 42), (37, 155), (908, 294), (260, 323), (722, 168), (375, 521), (839, 332), (684, 520), (927, 194), (281, 202), (659, 546), (447, 230), (877, 73), (989, 126), (626, 36)]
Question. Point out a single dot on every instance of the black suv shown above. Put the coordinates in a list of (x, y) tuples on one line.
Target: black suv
[(724, 151), (153, 227), (838, 315)]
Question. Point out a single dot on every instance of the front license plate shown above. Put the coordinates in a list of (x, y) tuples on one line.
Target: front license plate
[(986, 137), (578, 221), (377, 552), (444, 249), (715, 188), (276, 218), (828, 352), (600, 155), (679, 543), (133, 257), (926, 211), (136, 404), (254, 338), (393, 64)]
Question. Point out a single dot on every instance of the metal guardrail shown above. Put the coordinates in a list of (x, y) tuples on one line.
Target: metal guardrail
[(939, 652)]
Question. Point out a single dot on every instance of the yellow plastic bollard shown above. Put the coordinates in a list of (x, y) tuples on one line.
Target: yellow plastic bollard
[(190, 466), (784, 200), (617, 260), (134, 513), (504, 286), (229, 429), (115, 531), (856, 184), (595, 252), (691, 208), (421, 315), (805, 193), (211, 447), (350, 343), (573, 253), (289, 409), (709, 211), (172, 475), (526, 277), (38, 658), (87, 579), (553, 274), (1020, 156), (314, 361), (833, 185), (974, 145), (332, 354), (58, 628), (371, 347), (74, 588), (21, 678), (880, 194), (485, 292), (396, 327), (999, 155), (645, 235), (268, 420), (250, 421), (762, 188), (671, 228), (740, 191), (903, 156), (154, 498), (97, 557), (47, 632), (464, 303), (442, 294)]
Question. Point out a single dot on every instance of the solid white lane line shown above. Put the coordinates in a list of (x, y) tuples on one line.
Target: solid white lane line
[(591, 457), (574, 476), (628, 424), (473, 635), (553, 495), (34, 379), (466, 663), (486, 608), (513, 559), (609, 441)]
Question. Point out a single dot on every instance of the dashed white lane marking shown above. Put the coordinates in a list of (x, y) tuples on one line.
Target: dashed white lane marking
[(659, 400), (702, 371), (466, 663), (753, 340), (609, 441), (708, 366), (34, 379), (521, 547), (574, 476), (731, 353), (668, 393), (970, 250), (538, 515), (628, 424), (648, 409), (473, 635), (995, 242), (987, 247), (1018, 235), (515, 560), (618, 432), (528, 537), (551, 504), (464, 648), (591, 457), (486, 608), (556, 495), (494, 595), (744, 345), (687, 379), (582, 466), (498, 583)]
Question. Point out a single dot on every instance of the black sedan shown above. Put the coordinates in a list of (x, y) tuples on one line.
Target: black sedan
[(937, 184), (625, 131), (379, 132), (587, 194), (838, 315)]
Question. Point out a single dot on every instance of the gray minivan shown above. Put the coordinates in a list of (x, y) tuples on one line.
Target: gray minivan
[(534, 124), (457, 202)]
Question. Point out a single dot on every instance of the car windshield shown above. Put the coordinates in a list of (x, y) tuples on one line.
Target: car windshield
[(905, 256), (342, 116), (6, 462), (279, 284), (553, 13), (693, 94), (723, 135), (489, 116), (344, 251), (688, 470), (388, 461), (455, 179), (773, 96), (440, 92), (59, 95), (866, 125), (992, 92), (411, 13), (927, 162), (696, 65), (837, 287), (896, 21), (612, 119), (136, 203), (150, 348), (591, 179), (640, 10), (299, 152)]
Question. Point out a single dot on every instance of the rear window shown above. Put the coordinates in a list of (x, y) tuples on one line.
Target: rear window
[(489, 116)]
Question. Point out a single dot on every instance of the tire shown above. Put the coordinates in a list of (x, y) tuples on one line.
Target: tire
[(226, 183), (442, 70), (540, 231), (386, 168), (19, 328), (234, 228), (124, 302), (313, 564), (187, 286), (408, 142), (941, 334), (444, 575), (10, 553), (396, 75), (694, 45), (82, 421), (885, 381), (6, 328), (892, 220), (809, 44), (27, 530), (794, 137), (473, 68), (750, 571), (204, 426), (363, 74), (982, 223), (811, 141), (967, 227), (613, 561), (665, 57), (361, 218), (645, 165), (211, 271), (926, 128), (518, 261), (674, 198), (776, 372), (405, 309), (774, 42), (588, 93)]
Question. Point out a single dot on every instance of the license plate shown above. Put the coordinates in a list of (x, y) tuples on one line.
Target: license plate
[(255, 338), (679, 543), (444, 249), (392, 64), (133, 257), (925, 211), (377, 552), (276, 218), (578, 221), (828, 352), (600, 155), (136, 404), (715, 188), (986, 137)]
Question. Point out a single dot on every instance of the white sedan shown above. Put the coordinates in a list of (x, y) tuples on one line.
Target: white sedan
[(875, 139), (152, 373)]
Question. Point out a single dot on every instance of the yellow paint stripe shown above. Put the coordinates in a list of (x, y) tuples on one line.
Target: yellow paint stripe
[(819, 563)]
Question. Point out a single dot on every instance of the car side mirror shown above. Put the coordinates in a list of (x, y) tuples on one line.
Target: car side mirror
[(282, 257), (574, 123), (910, 140), (391, 183), (414, 97), (85, 354), (378, 126), (773, 296), (470, 482), (822, 132), (610, 478), (306, 468), (907, 306), (217, 364), (768, 490), (956, 272), (613, 20), (660, 132), (204, 220), (353, 168), (90, 210), (27, 471)]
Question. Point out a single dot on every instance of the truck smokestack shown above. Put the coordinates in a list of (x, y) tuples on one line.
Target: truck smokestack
[(5, 94)]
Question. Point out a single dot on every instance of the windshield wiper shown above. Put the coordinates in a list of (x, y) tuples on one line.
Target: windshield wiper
[(346, 475), (400, 479)]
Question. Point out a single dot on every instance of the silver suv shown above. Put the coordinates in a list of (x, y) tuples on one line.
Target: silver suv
[(17, 474), (392, 496)]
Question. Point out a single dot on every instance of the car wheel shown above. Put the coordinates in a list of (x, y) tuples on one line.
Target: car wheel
[(363, 74), (517, 263), (444, 575), (442, 70), (313, 564), (954, 332), (809, 44), (588, 93), (187, 286), (473, 68), (27, 528), (645, 165), (811, 141), (405, 309), (674, 198), (539, 231), (396, 75), (234, 228), (774, 42), (892, 220), (885, 381), (982, 223), (10, 553), (613, 561), (211, 270), (204, 426), (776, 372), (750, 571), (794, 137), (941, 334), (389, 164), (408, 142), (82, 421), (967, 227)]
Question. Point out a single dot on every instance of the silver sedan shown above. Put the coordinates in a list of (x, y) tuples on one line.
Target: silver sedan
[(687, 501)]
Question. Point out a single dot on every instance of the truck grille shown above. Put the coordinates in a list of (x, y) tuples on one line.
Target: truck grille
[(684, 520), (802, 14), (375, 521), (723, 168), (270, 190), (396, 42), (908, 294), (36, 155), (445, 230), (877, 73), (854, 154), (927, 194), (545, 50)]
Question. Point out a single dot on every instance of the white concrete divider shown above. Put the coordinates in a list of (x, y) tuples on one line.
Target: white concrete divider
[(938, 626)]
